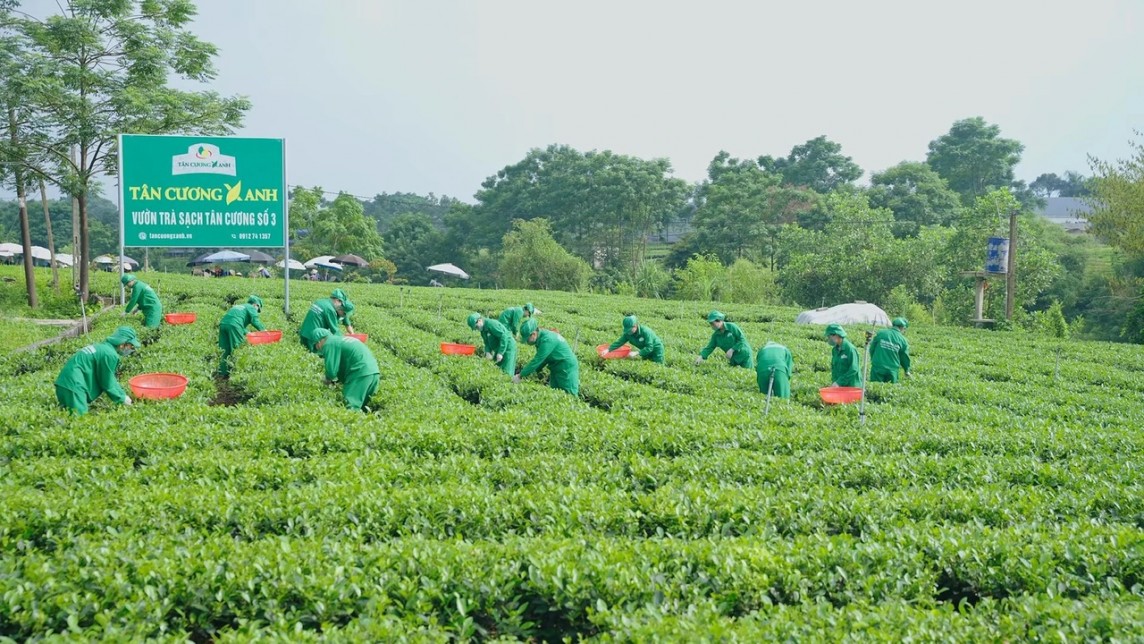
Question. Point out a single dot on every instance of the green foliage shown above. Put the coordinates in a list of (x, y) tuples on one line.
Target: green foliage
[(1118, 201), (413, 243), (1073, 184), (1051, 322), (916, 195), (974, 159), (532, 259), (343, 228), (749, 283), (818, 165), (701, 279), (650, 279)]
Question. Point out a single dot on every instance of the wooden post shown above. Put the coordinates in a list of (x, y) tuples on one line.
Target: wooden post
[(1011, 277)]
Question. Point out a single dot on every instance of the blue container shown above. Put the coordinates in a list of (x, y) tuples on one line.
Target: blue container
[(997, 255)]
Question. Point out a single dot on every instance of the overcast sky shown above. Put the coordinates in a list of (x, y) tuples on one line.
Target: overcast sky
[(436, 95)]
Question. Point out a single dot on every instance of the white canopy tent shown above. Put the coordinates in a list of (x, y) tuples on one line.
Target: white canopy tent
[(448, 269), (293, 263), (851, 313), (41, 253), (64, 259), (8, 248)]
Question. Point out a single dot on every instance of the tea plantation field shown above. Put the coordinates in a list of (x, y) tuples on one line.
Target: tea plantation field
[(998, 495)]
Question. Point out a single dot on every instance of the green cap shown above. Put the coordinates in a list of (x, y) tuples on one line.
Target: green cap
[(715, 315), (124, 334), (255, 300), (836, 329), (901, 323), (473, 319), (528, 327), (530, 308), (126, 278), (339, 294), (629, 323)]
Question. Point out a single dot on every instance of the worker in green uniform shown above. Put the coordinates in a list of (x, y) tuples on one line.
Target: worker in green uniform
[(552, 351), (728, 337), (232, 329), (326, 313), (774, 361), (845, 367), (889, 352), (500, 346), (91, 372), (641, 337), (350, 362), (144, 299), (511, 318)]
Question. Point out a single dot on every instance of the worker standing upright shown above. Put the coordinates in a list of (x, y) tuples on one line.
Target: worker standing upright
[(500, 346), (349, 361), (327, 313), (889, 352), (144, 299), (232, 329), (775, 365), (641, 337), (845, 366), (728, 337), (552, 351), (91, 372), (512, 317)]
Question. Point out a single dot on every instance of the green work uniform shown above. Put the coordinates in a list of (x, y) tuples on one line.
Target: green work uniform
[(552, 351), (232, 331), (322, 315), (89, 373), (649, 345), (499, 342), (889, 352), (777, 358), (730, 337), (845, 367), (350, 362), (511, 319), (144, 297)]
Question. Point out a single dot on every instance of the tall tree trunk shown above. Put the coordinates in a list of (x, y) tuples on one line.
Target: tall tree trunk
[(21, 198), (84, 240), (77, 259), (51, 238)]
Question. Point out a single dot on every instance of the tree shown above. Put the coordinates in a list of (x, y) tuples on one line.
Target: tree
[(344, 228), (817, 164), (1118, 201), (915, 194), (413, 243), (1048, 185), (533, 259), (109, 65), (974, 159)]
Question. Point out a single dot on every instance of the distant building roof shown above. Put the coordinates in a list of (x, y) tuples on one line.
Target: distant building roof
[(1065, 208)]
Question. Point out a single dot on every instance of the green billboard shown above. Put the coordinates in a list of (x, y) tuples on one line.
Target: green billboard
[(202, 191)]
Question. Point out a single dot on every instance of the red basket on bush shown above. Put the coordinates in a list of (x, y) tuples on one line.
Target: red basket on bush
[(179, 318), (158, 386)]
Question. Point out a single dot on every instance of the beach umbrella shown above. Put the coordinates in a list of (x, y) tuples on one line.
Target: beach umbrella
[(293, 263), (352, 260), (328, 264), (449, 269), (320, 258), (123, 259), (258, 257), (64, 259), (221, 257), (8, 248)]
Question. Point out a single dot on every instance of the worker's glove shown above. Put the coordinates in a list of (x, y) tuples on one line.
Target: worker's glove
[(329, 383), (516, 379), (500, 358), (907, 374), (699, 360), (633, 356), (127, 400), (730, 352), (834, 384), (488, 355)]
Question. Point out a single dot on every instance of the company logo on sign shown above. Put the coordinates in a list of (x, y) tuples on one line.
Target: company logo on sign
[(203, 158)]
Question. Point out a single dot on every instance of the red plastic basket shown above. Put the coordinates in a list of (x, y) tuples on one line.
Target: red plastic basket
[(840, 395), (263, 337), (622, 352), (450, 349), (157, 386), (179, 318), (360, 336)]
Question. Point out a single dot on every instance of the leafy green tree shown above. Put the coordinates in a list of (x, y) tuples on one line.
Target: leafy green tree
[(344, 228), (1118, 201), (109, 67), (817, 164), (385, 207), (700, 279), (1072, 184), (531, 258), (974, 159), (916, 195), (748, 283), (412, 242)]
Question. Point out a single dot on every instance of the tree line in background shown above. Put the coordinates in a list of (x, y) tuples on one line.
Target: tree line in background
[(790, 229)]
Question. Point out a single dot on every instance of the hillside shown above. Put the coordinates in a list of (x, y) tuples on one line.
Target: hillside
[(998, 495)]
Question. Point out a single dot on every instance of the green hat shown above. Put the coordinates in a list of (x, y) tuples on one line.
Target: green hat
[(530, 308), (124, 334), (630, 323), (126, 278), (835, 329), (473, 319), (339, 294), (255, 300), (901, 322), (528, 327), (715, 315)]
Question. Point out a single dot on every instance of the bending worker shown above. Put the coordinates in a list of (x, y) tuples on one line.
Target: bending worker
[(641, 337), (144, 299), (845, 367), (326, 314), (552, 351), (500, 346), (511, 318), (889, 352), (728, 337), (91, 372), (774, 362), (350, 362), (232, 329)]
